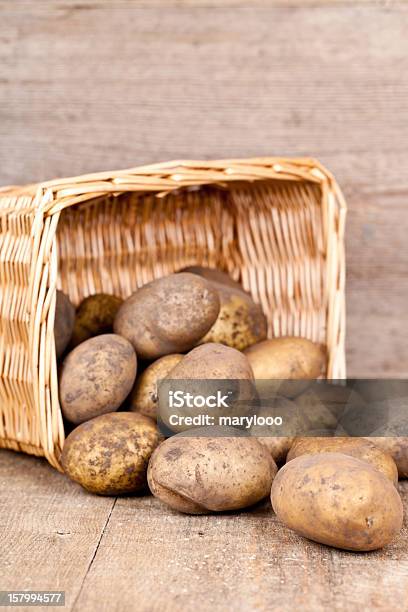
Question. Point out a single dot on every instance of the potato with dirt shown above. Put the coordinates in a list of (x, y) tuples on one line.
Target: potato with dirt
[(96, 377), (109, 454), (95, 316), (213, 361), (278, 445), (337, 500), (287, 358), (63, 322), (323, 405), (354, 447), (144, 397), (293, 362), (208, 370), (240, 323), (168, 315), (199, 473), (397, 447), (213, 274)]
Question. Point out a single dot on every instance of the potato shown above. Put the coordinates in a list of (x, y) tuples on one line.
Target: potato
[(63, 322), (168, 315), (337, 500), (198, 474), (373, 390), (232, 376), (278, 446), (144, 397), (335, 398), (109, 454), (287, 358), (355, 447), (240, 322), (95, 316), (212, 361), (96, 377), (322, 406), (213, 274), (397, 447)]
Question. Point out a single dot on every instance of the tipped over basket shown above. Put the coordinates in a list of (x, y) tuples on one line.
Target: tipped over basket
[(275, 224)]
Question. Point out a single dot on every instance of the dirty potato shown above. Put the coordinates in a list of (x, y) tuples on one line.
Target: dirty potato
[(337, 500), (144, 397), (322, 407), (213, 361), (213, 274), (63, 322), (240, 323), (207, 370), (325, 403), (291, 361), (278, 445), (109, 454), (397, 447), (96, 377), (287, 358), (355, 447), (95, 316), (198, 474), (168, 315)]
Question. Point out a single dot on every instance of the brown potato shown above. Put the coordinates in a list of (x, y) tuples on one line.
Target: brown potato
[(397, 447), (278, 446), (96, 377), (95, 316), (335, 398), (287, 358), (168, 315), (109, 454), (144, 397), (322, 406), (213, 361), (373, 390), (198, 475), (213, 274), (355, 447), (232, 376), (240, 322), (337, 500), (63, 322)]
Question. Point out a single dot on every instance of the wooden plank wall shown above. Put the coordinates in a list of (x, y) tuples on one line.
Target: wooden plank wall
[(95, 85)]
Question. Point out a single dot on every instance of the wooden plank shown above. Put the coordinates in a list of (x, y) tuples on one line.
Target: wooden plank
[(90, 86), (152, 559), (50, 529), (88, 5), (143, 556), (377, 327), (92, 90)]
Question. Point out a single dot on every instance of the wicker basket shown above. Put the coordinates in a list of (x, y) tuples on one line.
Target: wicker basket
[(275, 224)]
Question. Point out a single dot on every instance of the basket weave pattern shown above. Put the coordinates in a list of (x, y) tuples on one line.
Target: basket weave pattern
[(275, 224)]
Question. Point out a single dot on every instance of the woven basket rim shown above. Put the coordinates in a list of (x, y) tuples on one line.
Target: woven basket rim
[(183, 172)]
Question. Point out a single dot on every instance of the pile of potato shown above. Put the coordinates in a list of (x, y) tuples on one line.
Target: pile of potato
[(200, 324)]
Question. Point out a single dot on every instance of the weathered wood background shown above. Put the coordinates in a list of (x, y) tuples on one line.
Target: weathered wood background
[(134, 555), (95, 85)]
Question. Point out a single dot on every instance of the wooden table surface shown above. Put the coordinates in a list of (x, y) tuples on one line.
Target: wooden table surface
[(95, 85), (133, 554)]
